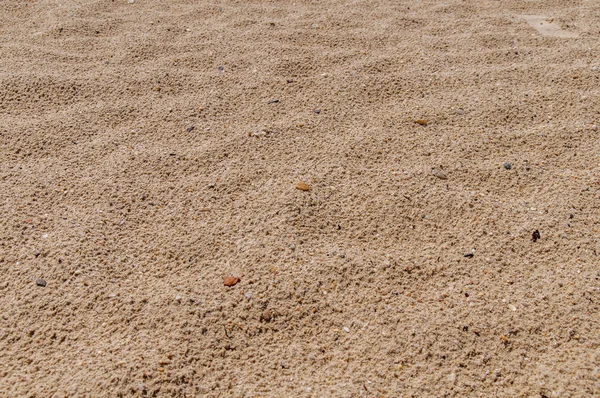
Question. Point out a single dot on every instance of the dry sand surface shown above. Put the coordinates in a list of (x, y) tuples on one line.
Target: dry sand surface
[(299, 198)]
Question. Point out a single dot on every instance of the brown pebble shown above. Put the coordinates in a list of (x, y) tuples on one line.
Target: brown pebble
[(422, 122), (302, 186), (266, 315), (231, 280)]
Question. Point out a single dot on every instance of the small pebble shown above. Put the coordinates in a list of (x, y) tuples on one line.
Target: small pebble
[(594, 127), (317, 111), (535, 235), (469, 254), (40, 282), (45, 236), (230, 281), (302, 186), (266, 315), (131, 1), (507, 166), (440, 174), (189, 129), (221, 68), (293, 246), (460, 111), (421, 122), (249, 295), (347, 330), (512, 307)]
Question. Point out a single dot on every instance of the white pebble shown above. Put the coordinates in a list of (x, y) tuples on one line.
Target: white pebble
[(347, 330), (45, 236)]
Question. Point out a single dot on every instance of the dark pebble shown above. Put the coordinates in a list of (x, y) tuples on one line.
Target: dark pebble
[(535, 235), (189, 129), (40, 282), (266, 315), (469, 254), (275, 101), (507, 166), (317, 111), (221, 68)]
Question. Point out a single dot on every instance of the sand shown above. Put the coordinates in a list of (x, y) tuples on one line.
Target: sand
[(371, 171)]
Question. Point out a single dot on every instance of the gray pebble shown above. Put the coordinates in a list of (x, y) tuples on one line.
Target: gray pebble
[(507, 166), (40, 282), (440, 174)]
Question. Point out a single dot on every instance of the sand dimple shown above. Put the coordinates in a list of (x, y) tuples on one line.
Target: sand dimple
[(547, 27)]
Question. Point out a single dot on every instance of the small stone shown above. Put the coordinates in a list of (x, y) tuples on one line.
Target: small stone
[(317, 111), (421, 122), (469, 254), (594, 68), (249, 295), (178, 298), (40, 282), (77, 272), (131, 1), (302, 186), (346, 329), (293, 246), (191, 128), (221, 68), (230, 281), (266, 315), (45, 236), (535, 235), (594, 127), (440, 174), (507, 166), (512, 307), (452, 377), (460, 111)]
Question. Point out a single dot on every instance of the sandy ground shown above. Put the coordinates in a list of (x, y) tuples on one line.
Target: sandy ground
[(149, 150)]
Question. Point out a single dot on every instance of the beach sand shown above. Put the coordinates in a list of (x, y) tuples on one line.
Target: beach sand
[(299, 198)]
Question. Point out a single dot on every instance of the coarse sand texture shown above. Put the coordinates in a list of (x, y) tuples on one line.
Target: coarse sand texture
[(299, 198)]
